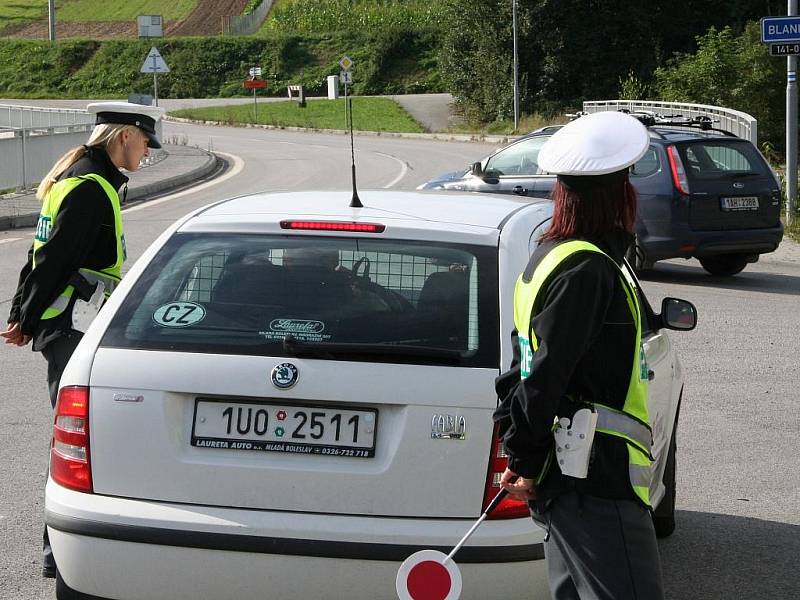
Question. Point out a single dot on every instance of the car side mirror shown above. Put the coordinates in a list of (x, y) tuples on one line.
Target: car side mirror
[(678, 314), (477, 169)]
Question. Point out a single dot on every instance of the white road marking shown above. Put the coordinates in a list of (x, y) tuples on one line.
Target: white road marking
[(7, 240), (238, 165), (403, 170)]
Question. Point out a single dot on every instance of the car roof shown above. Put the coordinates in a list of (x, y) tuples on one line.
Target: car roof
[(419, 210)]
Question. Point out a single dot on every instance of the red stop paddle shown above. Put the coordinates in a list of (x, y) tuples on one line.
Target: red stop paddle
[(433, 575)]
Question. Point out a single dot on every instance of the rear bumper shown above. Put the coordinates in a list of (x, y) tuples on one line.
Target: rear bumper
[(121, 548), (683, 242)]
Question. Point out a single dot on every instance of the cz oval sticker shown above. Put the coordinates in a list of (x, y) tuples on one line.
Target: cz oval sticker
[(179, 314)]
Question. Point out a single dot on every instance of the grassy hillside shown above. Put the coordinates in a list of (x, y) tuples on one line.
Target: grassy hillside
[(120, 10), (394, 62), (17, 12)]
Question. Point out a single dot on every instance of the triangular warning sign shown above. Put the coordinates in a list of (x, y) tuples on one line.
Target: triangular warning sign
[(154, 63)]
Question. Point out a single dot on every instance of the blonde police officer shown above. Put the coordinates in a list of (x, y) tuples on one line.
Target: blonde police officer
[(578, 362), (79, 247)]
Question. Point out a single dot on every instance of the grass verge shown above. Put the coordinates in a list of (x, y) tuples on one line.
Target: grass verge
[(793, 230), (369, 114), (527, 123)]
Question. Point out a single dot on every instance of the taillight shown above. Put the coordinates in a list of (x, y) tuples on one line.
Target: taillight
[(508, 508), (334, 226), (70, 463), (678, 172)]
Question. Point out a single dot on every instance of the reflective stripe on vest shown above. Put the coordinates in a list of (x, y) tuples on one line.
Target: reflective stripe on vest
[(630, 423), (111, 275)]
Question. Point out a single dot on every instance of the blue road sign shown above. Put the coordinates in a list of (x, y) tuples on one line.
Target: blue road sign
[(780, 29)]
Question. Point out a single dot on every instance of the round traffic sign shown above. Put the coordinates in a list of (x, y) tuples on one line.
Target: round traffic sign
[(426, 576)]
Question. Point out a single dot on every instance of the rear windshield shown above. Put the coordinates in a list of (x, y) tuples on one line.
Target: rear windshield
[(710, 159), (243, 294)]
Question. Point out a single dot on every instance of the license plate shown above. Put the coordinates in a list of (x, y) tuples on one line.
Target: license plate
[(739, 203), (273, 427)]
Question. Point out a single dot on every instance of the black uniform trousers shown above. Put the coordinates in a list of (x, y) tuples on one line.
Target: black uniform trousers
[(57, 353), (601, 549)]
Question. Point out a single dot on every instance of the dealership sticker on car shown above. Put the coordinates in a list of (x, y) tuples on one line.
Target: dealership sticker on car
[(739, 203), (179, 314), (304, 330), (272, 427)]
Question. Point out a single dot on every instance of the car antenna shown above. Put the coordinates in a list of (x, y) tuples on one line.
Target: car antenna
[(355, 201)]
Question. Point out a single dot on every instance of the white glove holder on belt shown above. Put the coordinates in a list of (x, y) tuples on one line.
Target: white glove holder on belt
[(84, 312), (574, 443)]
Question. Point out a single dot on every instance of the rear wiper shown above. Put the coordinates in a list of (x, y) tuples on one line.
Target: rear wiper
[(739, 174), (297, 347)]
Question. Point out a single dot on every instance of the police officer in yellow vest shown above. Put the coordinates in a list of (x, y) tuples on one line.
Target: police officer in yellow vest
[(573, 411), (79, 247)]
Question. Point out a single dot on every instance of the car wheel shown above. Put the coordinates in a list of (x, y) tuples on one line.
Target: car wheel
[(636, 257), (725, 264), (64, 592), (664, 514)]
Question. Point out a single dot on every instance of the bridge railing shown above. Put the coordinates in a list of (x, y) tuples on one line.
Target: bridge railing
[(739, 123)]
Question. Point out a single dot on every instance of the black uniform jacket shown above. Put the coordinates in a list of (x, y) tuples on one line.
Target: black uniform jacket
[(587, 338), (83, 236)]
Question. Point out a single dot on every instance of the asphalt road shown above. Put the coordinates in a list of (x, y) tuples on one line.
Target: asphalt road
[(738, 532)]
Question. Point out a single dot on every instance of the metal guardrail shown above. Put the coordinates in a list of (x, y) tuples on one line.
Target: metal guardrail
[(30, 117), (246, 24), (33, 138), (738, 123)]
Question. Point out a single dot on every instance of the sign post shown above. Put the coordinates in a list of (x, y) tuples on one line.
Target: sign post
[(254, 84), (783, 36), (154, 64), (347, 77)]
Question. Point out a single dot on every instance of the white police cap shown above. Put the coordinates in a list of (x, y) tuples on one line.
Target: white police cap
[(595, 144), (127, 113)]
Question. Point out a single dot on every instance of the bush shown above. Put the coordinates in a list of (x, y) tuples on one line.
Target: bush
[(396, 61)]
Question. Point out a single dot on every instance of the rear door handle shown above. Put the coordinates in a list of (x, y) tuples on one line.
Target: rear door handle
[(519, 190), (651, 375)]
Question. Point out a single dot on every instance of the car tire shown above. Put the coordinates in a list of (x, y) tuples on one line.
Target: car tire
[(636, 257), (64, 592), (664, 514), (724, 265)]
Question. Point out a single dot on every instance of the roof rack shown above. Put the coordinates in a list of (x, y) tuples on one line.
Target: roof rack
[(702, 122), (653, 119)]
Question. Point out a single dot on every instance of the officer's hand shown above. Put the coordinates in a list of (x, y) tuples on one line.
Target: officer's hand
[(520, 488), (13, 335)]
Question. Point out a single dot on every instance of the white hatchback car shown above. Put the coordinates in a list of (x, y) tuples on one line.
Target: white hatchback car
[(287, 396)]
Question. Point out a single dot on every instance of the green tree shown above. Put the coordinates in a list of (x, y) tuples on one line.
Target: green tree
[(732, 71), (572, 50)]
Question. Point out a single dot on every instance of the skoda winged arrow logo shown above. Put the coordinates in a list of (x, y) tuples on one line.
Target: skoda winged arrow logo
[(284, 376)]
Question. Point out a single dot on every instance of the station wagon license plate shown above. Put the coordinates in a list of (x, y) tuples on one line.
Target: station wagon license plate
[(739, 203), (272, 427)]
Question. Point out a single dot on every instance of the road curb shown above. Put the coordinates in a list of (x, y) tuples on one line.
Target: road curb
[(177, 181), (441, 137)]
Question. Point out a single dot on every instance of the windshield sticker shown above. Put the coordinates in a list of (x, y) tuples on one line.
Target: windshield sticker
[(179, 314), (305, 330)]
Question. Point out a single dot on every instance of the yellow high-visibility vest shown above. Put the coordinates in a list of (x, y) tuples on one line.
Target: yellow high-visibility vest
[(111, 275), (632, 422)]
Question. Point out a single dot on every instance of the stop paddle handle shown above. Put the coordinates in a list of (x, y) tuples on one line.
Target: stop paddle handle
[(497, 499)]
